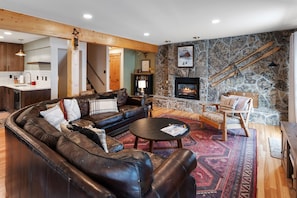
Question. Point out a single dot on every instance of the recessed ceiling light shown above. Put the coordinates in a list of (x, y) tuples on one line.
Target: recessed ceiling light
[(8, 33), (88, 16), (215, 21), (1, 37), (146, 34)]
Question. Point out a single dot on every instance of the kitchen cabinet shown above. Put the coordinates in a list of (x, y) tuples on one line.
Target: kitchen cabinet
[(1, 98), (15, 99), (8, 99), (8, 60), (31, 97)]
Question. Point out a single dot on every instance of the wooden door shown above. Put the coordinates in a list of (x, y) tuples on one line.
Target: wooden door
[(114, 64)]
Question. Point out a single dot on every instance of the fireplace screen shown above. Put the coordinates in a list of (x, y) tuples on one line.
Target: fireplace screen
[(187, 88)]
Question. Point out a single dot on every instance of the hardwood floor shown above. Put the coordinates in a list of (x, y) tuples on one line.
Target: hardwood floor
[(271, 180)]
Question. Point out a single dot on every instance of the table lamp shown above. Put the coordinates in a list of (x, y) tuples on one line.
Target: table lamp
[(141, 85)]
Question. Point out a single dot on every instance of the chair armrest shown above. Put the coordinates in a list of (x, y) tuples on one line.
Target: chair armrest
[(135, 100), (207, 104), (169, 176), (235, 111)]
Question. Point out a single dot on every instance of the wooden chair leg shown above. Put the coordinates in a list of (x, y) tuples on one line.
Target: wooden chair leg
[(224, 135), (243, 123), (202, 125)]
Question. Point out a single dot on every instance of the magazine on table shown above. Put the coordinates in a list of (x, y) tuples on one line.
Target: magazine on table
[(175, 129)]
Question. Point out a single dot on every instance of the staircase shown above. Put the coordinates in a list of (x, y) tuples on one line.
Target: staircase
[(90, 89)]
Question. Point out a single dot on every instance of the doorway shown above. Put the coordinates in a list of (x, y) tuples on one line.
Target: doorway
[(114, 73)]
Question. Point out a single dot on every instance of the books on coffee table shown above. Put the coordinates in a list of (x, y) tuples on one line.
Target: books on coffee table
[(174, 129)]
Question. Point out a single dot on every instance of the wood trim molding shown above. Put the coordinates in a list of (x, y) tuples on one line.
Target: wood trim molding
[(24, 23)]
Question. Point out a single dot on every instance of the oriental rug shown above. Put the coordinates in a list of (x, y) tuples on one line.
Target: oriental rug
[(224, 169)]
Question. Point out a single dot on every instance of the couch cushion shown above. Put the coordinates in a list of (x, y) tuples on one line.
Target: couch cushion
[(28, 113), (128, 173), (122, 96), (42, 130), (131, 111), (103, 106), (103, 119)]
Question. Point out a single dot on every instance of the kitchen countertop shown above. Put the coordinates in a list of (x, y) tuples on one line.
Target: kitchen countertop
[(26, 87)]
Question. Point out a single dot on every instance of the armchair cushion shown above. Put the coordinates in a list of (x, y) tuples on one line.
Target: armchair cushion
[(219, 117)]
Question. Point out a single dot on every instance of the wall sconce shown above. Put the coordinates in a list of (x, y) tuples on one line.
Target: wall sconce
[(273, 64), (142, 85)]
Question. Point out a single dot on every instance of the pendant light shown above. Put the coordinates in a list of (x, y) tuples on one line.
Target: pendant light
[(20, 52)]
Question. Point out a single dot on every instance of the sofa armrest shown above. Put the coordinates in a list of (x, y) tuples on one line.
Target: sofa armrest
[(171, 174), (135, 100)]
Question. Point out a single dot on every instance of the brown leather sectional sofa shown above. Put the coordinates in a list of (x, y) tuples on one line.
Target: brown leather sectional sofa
[(41, 161)]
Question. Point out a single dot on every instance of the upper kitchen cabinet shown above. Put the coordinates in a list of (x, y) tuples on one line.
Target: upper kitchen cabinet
[(8, 60)]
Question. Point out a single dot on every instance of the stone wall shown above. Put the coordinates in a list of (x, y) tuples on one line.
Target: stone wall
[(212, 56)]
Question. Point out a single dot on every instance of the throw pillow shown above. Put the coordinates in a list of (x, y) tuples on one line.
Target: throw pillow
[(96, 135), (72, 109), (228, 103), (103, 106), (54, 116), (102, 136)]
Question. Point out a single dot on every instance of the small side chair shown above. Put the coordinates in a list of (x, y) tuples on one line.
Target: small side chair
[(232, 112)]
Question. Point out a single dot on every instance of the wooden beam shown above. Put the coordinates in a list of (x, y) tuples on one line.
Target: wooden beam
[(29, 24)]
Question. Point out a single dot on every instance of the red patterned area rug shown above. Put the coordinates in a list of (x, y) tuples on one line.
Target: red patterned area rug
[(224, 169)]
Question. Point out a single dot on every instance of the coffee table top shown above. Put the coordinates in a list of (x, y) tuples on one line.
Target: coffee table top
[(150, 129)]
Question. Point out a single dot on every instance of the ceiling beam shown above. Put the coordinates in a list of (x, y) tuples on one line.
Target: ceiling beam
[(29, 24)]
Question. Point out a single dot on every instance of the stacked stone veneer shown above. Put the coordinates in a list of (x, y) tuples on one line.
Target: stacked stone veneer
[(211, 56)]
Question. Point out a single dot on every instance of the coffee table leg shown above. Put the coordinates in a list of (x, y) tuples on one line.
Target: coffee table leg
[(151, 145), (136, 142), (179, 143)]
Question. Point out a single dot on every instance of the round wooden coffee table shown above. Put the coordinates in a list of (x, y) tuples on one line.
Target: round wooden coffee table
[(150, 129)]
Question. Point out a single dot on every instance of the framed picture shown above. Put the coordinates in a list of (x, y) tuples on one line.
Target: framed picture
[(145, 65), (185, 56)]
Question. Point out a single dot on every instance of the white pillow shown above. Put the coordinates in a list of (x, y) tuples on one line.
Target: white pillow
[(72, 109), (228, 103), (103, 106), (54, 116)]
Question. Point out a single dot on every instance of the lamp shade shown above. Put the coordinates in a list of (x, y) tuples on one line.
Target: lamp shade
[(141, 84), (20, 53)]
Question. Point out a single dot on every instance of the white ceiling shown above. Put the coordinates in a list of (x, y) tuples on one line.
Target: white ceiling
[(173, 20)]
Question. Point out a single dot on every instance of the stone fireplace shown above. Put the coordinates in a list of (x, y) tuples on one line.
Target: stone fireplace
[(187, 88)]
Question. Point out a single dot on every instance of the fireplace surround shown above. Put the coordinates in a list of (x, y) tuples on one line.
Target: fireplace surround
[(187, 88)]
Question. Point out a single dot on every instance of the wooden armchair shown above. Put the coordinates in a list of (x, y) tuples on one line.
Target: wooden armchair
[(232, 112)]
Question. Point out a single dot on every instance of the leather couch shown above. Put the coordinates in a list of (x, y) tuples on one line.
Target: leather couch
[(41, 161)]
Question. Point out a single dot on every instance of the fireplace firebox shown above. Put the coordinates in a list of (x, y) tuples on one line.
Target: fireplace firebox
[(187, 88)]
